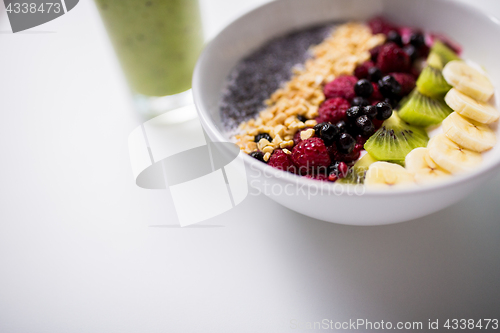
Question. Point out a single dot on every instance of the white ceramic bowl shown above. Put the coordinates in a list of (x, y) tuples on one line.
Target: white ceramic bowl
[(347, 204)]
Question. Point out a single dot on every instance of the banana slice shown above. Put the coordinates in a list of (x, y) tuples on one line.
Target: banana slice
[(468, 107), (452, 157), (469, 133), (468, 80), (425, 170), (385, 175)]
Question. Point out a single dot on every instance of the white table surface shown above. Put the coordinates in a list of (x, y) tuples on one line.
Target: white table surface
[(82, 249)]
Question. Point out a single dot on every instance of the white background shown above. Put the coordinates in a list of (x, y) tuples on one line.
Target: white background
[(82, 249)]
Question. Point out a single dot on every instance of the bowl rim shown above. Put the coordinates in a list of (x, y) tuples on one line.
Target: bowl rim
[(216, 135)]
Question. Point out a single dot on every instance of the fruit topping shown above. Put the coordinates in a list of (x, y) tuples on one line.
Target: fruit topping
[(451, 156), (384, 111), (301, 118), (258, 155), (374, 74), (423, 167), (327, 132), (389, 87), (346, 143), (432, 83), (280, 160), (395, 139), (469, 133), (379, 25), (357, 173), (361, 72), (421, 110), (392, 58), (417, 39), (468, 80), (470, 108), (359, 101), (261, 136), (354, 112), (364, 125), (412, 52), (370, 111), (310, 154), (394, 37), (363, 88), (383, 174), (342, 126), (332, 110), (407, 82), (342, 86)]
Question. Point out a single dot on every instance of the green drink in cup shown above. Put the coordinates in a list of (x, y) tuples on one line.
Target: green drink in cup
[(157, 43)]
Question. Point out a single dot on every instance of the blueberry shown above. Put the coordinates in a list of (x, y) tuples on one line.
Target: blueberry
[(370, 111), (391, 102), (412, 52), (365, 126), (317, 128), (354, 112), (384, 111), (345, 143), (258, 155), (374, 74), (363, 88), (359, 101), (389, 87), (395, 37), (327, 132), (417, 39), (261, 136), (302, 118), (342, 126)]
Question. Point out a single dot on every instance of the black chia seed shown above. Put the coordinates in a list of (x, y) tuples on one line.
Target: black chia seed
[(257, 76)]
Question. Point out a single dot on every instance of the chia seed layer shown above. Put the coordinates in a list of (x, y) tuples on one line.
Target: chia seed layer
[(258, 75)]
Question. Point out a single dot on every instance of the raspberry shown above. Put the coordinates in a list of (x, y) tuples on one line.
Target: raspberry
[(343, 86), (310, 154), (333, 110), (392, 58), (406, 33), (282, 161), (361, 72), (380, 26), (407, 82)]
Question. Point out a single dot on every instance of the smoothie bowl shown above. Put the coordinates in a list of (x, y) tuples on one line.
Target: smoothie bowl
[(356, 112)]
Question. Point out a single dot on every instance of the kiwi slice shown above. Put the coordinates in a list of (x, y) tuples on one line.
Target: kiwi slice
[(432, 83), (422, 110), (444, 52), (395, 139), (435, 61), (357, 173)]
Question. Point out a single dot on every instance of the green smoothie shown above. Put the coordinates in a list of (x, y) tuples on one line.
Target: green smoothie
[(157, 42)]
